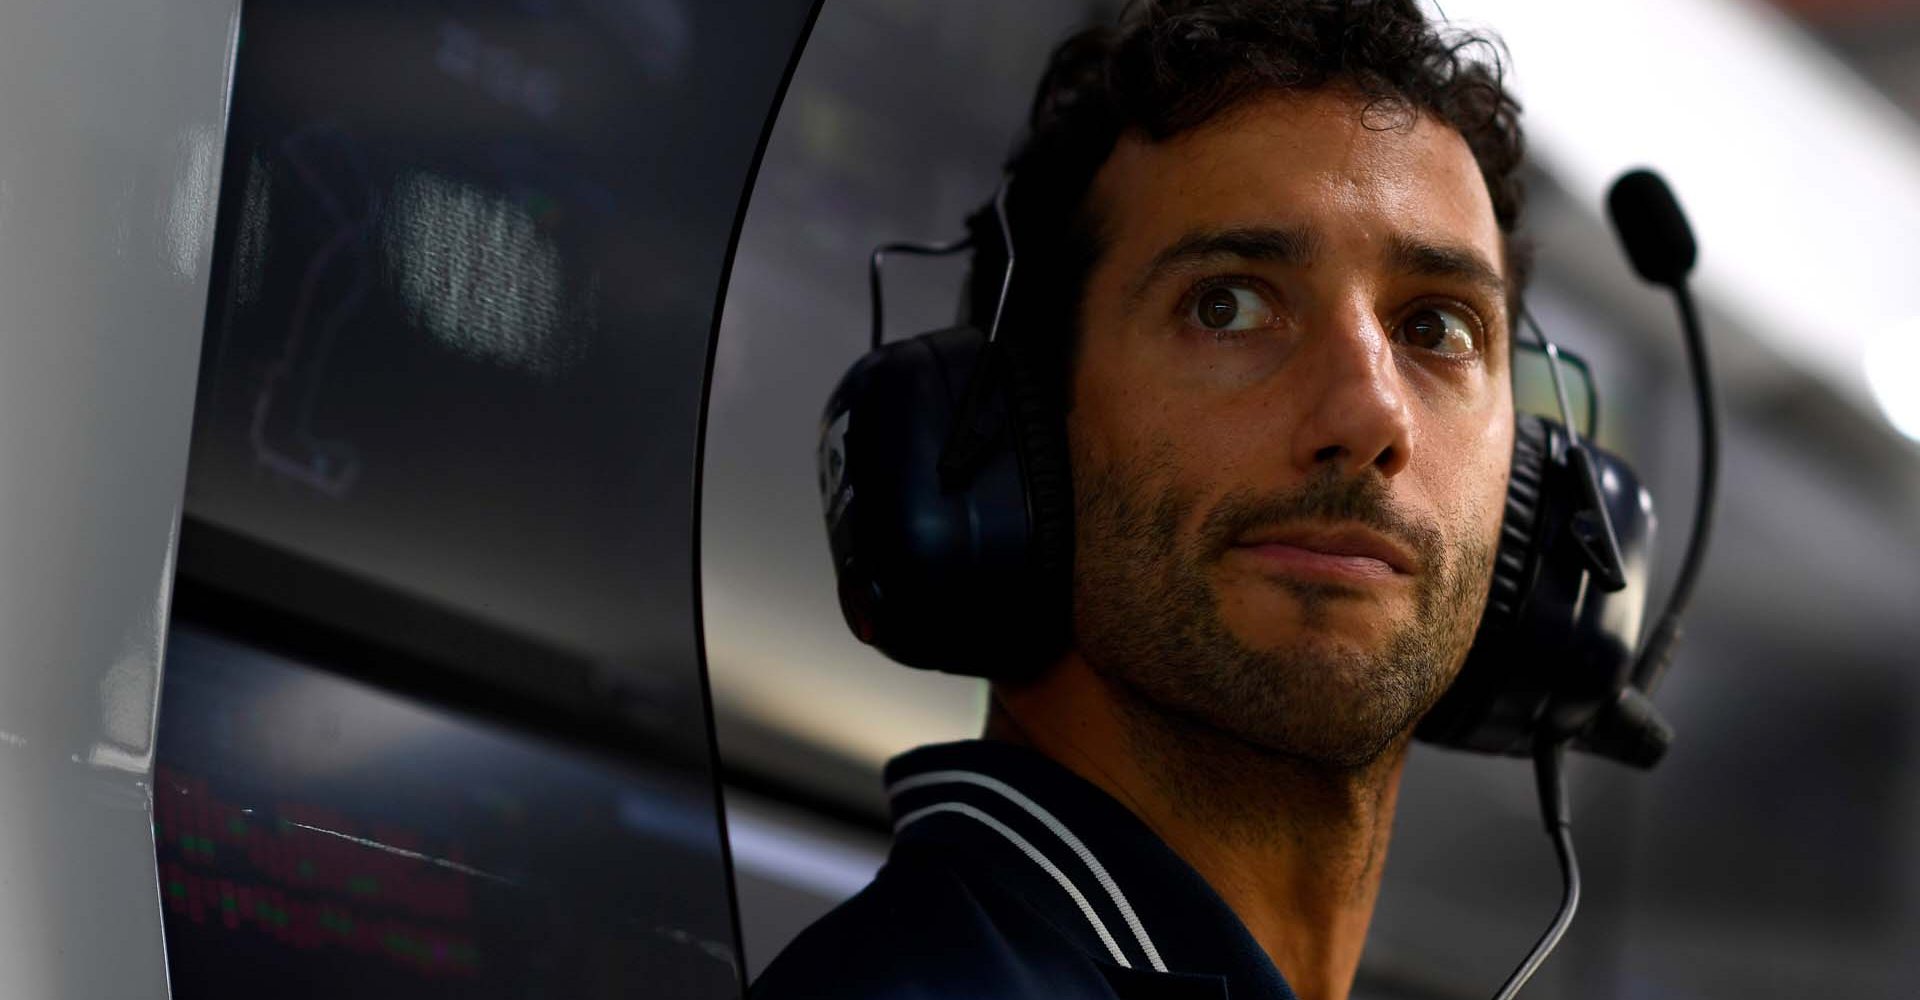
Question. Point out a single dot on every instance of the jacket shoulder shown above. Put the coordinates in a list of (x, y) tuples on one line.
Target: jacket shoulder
[(919, 932)]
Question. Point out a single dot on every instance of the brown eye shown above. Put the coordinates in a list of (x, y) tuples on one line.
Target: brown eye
[(1439, 329), (1229, 309), (1218, 309)]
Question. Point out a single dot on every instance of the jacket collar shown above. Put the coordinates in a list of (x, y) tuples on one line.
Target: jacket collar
[(1078, 856)]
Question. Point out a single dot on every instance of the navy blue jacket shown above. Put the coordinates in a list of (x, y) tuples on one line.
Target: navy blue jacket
[(1012, 877)]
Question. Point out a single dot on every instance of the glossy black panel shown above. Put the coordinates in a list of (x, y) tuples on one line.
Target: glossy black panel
[(318, 837), (441, 504), (467, 265)]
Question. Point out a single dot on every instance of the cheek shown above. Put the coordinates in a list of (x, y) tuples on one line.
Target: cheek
[(1473, 481), (1096, 425), (1124, 416), (1141, 468)]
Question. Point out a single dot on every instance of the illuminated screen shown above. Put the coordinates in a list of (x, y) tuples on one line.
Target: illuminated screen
[(318, 837)]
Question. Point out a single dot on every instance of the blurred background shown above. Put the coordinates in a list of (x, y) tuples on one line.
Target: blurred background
[(1771, 855)]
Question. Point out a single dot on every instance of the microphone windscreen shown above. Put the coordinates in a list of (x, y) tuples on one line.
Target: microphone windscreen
[(1652, 227)]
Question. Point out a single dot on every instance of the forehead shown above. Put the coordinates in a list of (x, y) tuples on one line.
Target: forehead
[(1320, 159)]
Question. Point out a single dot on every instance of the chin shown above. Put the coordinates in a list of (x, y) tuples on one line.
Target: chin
[(1332, 673), (1340, 694)]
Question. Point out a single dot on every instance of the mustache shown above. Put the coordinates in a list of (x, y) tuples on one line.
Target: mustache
[(1326, 498)]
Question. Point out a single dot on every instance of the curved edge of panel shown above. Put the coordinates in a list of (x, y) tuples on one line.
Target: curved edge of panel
[(700, 459)]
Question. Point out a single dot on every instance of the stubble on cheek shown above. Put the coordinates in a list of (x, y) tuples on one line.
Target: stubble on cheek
[(1149, 617)]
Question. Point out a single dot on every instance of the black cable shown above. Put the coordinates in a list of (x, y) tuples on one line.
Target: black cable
[(1574, 361), (1557, 814), (879, 255), (1659, 648), (976, 423)]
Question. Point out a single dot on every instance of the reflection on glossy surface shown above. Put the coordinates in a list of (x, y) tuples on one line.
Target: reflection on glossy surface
[(253, 241), (321, 838), (465, 280), (476, 272), (190, 205), (130, 691)]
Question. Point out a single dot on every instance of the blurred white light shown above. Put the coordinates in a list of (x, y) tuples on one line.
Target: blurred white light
[(1893, 371), (764, 845), (1802, 182)]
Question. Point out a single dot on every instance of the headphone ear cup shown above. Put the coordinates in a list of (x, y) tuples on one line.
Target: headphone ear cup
[(1514, 557), (966, 578), (1555, 647), (1040, 436), (1460, 718)]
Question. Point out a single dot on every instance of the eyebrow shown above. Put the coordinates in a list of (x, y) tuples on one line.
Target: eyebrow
[(1290, 245), (1411, 255)]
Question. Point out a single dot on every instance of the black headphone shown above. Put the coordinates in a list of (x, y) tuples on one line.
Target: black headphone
[(944, 476)]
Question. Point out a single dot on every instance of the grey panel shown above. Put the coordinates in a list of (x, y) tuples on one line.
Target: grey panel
[(110, 141)]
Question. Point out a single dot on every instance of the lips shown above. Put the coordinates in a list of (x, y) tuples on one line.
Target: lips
[(1329, 550)]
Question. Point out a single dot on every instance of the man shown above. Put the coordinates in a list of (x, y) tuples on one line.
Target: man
[(1268, 246)]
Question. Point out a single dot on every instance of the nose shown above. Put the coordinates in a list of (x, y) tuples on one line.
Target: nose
[(1358, 414)]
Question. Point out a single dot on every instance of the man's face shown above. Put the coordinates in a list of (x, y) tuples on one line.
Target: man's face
[(1291, 423)]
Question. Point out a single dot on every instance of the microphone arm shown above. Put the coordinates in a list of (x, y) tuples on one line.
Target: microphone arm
[(1661, 247), (1658, 651)]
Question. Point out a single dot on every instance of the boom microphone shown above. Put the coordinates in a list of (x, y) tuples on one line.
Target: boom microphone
[(1658, 240), (1660, 244), (1652, 228)]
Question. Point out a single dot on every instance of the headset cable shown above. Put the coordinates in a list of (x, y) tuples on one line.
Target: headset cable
[(1549, 777)]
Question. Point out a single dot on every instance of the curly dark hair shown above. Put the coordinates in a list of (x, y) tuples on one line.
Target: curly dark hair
[(1169, 66)]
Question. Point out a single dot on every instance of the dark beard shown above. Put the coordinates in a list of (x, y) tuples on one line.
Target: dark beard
[(1147, 619)]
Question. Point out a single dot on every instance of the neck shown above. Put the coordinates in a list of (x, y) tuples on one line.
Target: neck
[(1295, 848)]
